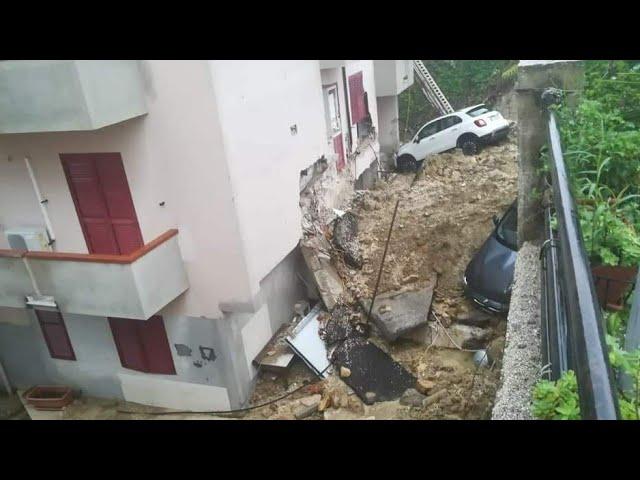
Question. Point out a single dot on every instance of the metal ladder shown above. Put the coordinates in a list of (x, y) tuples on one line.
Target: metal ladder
[(430, 89)]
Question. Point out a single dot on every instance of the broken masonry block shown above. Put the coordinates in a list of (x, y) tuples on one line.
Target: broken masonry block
[(402, 312), (325, 276), (345, 237)]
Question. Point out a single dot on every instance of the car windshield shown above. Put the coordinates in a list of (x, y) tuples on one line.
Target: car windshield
[(479, 110), (508, 227)]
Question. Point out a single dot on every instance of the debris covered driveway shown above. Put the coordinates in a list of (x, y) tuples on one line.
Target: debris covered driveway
[(442, 219)]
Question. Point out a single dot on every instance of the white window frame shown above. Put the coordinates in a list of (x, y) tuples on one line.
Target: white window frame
[(333, 121)]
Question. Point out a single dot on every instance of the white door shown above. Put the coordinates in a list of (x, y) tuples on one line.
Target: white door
[(429, 140), (450, 131)]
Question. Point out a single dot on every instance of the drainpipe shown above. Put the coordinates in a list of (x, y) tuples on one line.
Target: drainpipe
[(42, 201), (37, 300), (32, 277)]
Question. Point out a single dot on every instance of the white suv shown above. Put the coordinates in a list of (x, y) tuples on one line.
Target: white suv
[(468, 129)]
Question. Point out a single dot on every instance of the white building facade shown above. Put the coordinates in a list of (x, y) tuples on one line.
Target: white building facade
[(164, 200)]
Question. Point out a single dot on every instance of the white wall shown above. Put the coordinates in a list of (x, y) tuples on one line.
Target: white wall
[(389, 128), (258, 102), (97, 370), (65, 95), (175, 155), (216, 147)]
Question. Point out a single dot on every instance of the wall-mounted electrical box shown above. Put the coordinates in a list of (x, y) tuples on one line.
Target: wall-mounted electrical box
[(28, 238)]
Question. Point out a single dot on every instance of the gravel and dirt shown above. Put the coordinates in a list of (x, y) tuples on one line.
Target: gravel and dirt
[(444, 215)]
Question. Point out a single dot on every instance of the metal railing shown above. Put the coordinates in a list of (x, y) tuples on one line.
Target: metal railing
[(572, 328)]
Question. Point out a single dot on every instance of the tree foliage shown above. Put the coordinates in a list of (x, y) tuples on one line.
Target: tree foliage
[(616, 85)]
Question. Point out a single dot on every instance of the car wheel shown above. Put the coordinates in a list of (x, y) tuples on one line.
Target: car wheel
[(406, 163), (470, 146)]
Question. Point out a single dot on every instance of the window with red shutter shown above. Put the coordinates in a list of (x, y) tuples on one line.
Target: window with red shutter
[(55, 334), (356, 98), (100, 191), (143, 345)]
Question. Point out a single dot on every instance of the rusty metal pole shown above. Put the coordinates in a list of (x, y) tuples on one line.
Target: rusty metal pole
[(384, 255)]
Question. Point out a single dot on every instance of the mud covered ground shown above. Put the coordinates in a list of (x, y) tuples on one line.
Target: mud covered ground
[(442, 219)]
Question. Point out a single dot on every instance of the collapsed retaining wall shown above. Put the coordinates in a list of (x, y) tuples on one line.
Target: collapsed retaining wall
[(521, 362)]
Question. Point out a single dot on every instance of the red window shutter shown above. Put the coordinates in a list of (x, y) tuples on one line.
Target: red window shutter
[(356, 98), (156, 346), (125, 336), (100, 191), (143, 345), (55, 334)]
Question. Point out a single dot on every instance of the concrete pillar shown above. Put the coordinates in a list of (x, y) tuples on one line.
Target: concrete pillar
[(388, 118), (533, 77)]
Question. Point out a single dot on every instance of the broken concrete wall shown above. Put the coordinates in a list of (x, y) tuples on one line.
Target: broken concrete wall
[(521, 362), (316, 253), (388, 118), (249, 333), (507, 106), (369, 177), (533, 77), (323, 189)]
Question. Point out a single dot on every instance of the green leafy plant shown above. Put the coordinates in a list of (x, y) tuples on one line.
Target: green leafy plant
[(617, 322), (601, 146), (608, 238), (629, 364), (615, 83), (557, 400)]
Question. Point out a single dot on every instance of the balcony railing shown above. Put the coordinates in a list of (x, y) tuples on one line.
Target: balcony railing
[(572, 327), (136, 286)]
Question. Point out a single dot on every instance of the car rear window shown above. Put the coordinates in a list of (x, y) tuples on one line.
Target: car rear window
[(475, 112), (507, 230)]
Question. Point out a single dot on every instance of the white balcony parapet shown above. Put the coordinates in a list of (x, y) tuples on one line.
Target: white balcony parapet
[(135, 286), (392, 76), (331, 63), (68, 95)]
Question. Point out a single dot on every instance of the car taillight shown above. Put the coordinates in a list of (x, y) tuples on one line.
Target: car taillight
[(480, 122)]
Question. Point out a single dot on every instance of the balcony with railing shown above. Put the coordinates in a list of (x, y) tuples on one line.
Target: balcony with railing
[(135, 286)]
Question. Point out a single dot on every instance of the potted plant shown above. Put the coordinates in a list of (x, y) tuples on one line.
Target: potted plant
[(49, 397), (614, 251)]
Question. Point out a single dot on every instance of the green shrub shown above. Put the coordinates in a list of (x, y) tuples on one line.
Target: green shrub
[(628, 363), (601, 145), (557, 400)]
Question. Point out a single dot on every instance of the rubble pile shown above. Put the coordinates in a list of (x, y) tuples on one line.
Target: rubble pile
[(441, 221), (444, 215), (345, 237)]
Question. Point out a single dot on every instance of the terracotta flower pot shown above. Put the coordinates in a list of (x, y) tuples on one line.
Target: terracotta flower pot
[(613, 284), (49, 397)]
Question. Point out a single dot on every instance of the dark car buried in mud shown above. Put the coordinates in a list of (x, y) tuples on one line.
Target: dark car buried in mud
[(489, 276)]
